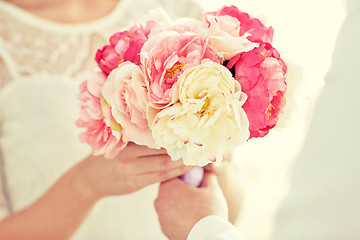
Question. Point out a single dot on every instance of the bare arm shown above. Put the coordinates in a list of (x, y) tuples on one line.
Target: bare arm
[(57, 214)]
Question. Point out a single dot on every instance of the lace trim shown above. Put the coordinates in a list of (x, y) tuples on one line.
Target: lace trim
[(61, 49)]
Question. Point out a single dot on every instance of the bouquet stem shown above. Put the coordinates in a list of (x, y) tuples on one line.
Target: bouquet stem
[(194, 177)]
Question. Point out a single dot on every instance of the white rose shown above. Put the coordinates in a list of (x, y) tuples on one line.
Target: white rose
[(207, 120)]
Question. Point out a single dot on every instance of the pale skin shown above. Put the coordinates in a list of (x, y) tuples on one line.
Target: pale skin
[(180, 207), (62, 209)]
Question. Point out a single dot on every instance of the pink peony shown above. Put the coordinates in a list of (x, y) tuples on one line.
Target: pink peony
[(259, 33), (127, 96), (103, 133), (124, 46), (165, 56), (260, 73)]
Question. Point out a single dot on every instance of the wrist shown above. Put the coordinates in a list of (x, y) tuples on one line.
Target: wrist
[(81, 182)]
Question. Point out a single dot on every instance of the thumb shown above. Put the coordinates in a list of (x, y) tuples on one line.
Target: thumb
[(209, 180)]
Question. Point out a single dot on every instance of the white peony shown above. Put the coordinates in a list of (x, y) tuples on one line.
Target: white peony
[(207, 120)]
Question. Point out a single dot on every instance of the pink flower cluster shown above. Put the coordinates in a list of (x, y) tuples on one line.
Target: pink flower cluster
[(166, 56), (124, 46), (139, 79)]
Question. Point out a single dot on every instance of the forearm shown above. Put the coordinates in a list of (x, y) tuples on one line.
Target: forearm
[(57, 214)]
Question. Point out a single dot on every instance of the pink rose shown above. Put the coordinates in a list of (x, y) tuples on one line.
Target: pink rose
[(165, 56), (102, 133), (124, 46), (259, 33), (261, 74), (126, 93)]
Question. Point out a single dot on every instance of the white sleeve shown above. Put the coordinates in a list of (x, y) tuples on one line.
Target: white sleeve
[(214, 228)]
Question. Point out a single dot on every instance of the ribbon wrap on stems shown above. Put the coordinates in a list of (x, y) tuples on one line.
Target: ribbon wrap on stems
[(194, 177)]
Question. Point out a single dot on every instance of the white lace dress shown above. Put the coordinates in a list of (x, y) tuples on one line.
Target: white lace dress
[(40, 62)]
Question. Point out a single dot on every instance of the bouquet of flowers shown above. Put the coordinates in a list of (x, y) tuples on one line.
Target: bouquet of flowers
[(195, 88)]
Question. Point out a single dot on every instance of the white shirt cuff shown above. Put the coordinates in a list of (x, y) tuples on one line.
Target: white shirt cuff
[(214, 228)]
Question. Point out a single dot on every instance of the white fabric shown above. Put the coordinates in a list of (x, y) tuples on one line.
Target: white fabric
[(214, 228), (40, 61), (323, 203)]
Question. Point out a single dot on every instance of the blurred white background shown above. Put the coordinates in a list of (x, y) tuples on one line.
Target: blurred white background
[(305, 34)]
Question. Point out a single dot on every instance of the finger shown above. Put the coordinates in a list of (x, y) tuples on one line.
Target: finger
[(171, 187), (152, 151), (156, 163), (162, 176), (164, 185), (209, 180), (141, 151)]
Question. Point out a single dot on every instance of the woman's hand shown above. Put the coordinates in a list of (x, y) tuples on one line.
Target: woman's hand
[(134, 168)]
